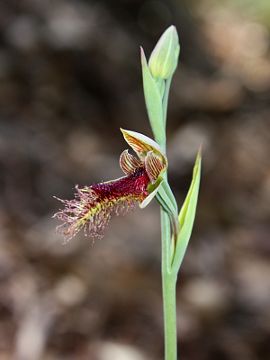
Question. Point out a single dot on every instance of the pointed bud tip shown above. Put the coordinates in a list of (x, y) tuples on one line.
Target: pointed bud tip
[(171, 29), (143, 58), (200, 150), (164, 57), (198, 159)]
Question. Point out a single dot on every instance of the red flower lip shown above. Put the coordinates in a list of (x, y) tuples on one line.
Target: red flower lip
[(94, 205)]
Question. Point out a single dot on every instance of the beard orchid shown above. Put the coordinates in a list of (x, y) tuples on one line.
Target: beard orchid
[(94, 205)]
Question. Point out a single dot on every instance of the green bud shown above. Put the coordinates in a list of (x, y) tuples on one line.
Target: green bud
[(164, 57)]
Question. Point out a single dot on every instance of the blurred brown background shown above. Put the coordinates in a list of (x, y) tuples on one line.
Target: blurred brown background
[(69, 78)]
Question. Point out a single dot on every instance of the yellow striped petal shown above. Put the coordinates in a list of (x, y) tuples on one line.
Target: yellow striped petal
[(129, 163), (154, 166), (142, 144)]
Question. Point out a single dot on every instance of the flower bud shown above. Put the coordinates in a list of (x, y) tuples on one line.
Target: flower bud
[(164, 57)]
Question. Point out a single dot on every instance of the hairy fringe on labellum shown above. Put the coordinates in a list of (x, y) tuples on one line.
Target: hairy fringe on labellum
[(93, 206)]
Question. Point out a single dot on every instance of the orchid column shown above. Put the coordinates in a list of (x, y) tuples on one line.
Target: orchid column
[(175, 228)]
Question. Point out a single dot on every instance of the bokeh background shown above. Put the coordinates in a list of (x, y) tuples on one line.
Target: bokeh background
[(70, 77)]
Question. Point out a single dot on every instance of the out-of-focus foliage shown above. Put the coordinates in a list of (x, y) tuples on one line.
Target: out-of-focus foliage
[(70, 77), (258, 10)]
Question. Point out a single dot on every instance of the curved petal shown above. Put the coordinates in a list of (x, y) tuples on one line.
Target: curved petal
[(148, 199), (152, 192), (129, 163), (154, 166)]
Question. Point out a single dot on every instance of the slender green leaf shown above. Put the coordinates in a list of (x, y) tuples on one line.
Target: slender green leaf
[(187, 215), (153, 102)]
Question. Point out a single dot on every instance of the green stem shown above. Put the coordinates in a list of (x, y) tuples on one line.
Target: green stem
[(168, 290), (165, 99), (169, 277)]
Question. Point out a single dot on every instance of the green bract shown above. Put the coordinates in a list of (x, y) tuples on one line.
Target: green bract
[(187, 215), (153, 101)]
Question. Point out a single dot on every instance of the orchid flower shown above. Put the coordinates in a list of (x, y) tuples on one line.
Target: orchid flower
[(94, 205)]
